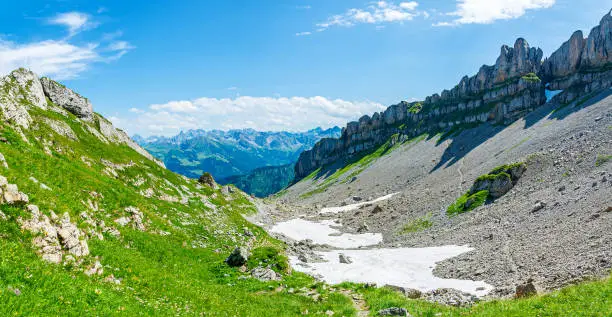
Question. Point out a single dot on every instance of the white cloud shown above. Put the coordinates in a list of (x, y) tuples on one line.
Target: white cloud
[(488, 11), (260, 113), (65, 58), (74, 21), (303, 33), (377, 13), (120, 46), (58, 59)]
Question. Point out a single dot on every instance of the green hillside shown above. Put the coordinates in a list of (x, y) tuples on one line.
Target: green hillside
[(167, 260)]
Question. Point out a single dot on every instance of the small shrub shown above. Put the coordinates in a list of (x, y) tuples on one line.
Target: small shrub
[(602, 159), (531, 77), (268, 256), (207, 179), (468, 202), (417, 225)]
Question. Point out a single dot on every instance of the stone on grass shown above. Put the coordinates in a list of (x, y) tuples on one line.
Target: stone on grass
[(238, 257), (393, 311), (265, 274)]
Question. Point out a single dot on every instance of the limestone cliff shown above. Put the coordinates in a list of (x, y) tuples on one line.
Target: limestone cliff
[(500, 93)]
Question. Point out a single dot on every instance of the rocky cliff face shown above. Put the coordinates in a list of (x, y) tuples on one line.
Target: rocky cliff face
[(581, 66), (67, 99), (499, 93)]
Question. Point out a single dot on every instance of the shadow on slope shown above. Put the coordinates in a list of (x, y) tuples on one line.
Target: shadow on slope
[(466, 139)]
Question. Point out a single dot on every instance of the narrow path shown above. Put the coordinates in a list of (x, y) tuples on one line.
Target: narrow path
[(460, 173), (358, 302)]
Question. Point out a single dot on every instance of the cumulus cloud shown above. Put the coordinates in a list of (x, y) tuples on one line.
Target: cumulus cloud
[(488, 11), (74, 21), (377, 13), (59, 59), (65, 58), (260, 113)]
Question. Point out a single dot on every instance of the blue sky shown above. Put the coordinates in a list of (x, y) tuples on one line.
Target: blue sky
[(156, 67)]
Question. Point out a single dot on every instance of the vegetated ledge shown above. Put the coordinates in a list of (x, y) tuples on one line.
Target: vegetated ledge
[(488, 187), (500, 93)]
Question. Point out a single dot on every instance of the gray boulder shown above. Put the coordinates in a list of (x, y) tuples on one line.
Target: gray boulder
[(497, 185), (238, 257), (393, 311), (451, 297), (10, 194), (67, 99), (344, 259), (265, 274)]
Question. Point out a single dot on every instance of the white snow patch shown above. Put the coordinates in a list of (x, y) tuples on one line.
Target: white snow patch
[(335, 210), (404, 267), (323, 233)]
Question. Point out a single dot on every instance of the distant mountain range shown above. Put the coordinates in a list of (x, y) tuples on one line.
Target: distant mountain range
[(233, 153)]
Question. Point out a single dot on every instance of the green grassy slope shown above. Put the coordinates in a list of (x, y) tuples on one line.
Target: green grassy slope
[(175, 267)]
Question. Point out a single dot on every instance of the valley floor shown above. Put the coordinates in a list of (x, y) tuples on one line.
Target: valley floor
[(553, 228)]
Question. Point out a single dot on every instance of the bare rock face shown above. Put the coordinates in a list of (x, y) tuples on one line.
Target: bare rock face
[(31, 85), (565, 60), (515, 62), (597, 51), (67, 99), (500, 93), (23, 89), (581, 66)]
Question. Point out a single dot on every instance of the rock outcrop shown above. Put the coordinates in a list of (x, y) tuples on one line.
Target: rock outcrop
[(10, 194), (499, 181), (499, 93), (22, 89), (67, 99), (55, 237), (581, 66)]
